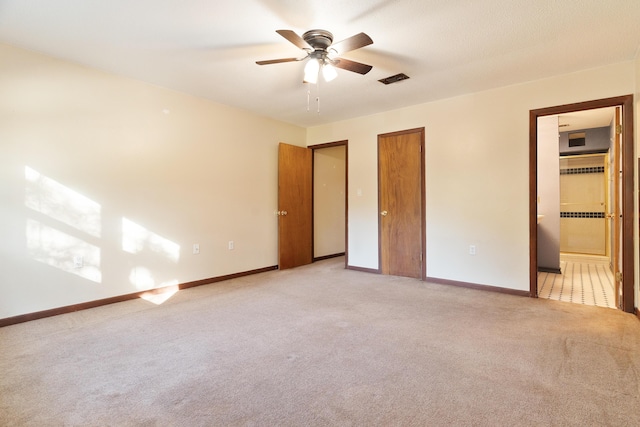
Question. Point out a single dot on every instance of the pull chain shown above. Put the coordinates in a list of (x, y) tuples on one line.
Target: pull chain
[(318, 96)]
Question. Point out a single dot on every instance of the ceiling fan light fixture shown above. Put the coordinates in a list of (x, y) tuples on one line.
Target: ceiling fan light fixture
[(329, 72), (311, 70)]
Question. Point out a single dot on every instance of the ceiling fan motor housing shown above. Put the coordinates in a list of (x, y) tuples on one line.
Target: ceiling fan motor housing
[(318, 39)]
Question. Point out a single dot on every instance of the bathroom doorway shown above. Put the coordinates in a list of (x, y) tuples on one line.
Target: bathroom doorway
[(620, 210)]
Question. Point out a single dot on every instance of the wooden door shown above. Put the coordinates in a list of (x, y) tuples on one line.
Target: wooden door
[(616, 251), (401, 206), (294, 206)]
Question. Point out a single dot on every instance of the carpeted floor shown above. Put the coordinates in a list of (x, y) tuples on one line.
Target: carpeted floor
[(322, 346)]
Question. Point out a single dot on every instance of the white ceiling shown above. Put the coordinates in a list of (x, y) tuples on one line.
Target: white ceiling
[(596, 118), (209, 48)]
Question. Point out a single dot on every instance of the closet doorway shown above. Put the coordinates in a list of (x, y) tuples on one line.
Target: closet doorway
[(330, 200)]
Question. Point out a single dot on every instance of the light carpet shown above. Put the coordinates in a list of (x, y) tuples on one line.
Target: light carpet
[(322, 346)]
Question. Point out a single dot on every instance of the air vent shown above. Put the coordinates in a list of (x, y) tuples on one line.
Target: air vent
[(394, 79), (577, 139)]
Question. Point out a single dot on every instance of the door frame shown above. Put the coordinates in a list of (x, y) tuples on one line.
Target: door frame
[(423, 213), (343, 143), (626, 102)]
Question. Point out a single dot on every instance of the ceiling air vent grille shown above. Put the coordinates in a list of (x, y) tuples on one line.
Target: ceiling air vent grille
[(394, 79)]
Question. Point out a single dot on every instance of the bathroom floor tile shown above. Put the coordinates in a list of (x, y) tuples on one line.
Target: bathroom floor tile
[(583, 280)]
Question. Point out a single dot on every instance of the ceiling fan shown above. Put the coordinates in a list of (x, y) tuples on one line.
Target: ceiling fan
[(323, 54)]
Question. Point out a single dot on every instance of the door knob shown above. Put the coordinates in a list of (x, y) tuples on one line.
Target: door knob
[(283, 213), (384, 213)]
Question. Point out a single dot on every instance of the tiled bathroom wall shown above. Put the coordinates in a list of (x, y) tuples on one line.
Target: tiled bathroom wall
[(583, 204)]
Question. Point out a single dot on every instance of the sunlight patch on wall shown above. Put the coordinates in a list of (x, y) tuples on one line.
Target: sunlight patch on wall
[(136, 238), (61, 203), (56, 207), (60, 250)]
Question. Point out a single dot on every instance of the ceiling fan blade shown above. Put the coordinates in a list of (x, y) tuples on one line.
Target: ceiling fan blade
[(356, 67), (352, 43), (278, 61), (294, 38)]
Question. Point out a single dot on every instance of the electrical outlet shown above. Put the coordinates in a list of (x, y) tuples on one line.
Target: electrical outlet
[(196, 248), (231, 245), (472, 249), (78, 261)]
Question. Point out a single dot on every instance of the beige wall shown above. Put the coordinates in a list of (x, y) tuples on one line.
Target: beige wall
[(143, 173), (477, 174), (129, 176)]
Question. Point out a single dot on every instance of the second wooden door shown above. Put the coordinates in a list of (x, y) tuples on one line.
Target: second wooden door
[(401, 203)]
